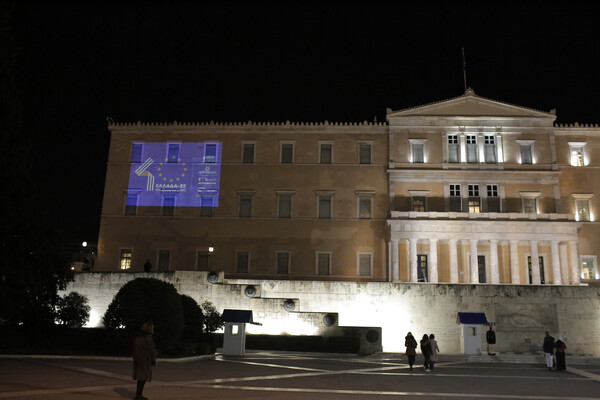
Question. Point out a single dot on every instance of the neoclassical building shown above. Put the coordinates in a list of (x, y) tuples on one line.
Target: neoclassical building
[(465, 190)]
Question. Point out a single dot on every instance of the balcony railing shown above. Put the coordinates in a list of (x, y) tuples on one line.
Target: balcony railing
[(482, 216)]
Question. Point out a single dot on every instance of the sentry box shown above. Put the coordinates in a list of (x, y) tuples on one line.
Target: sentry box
[(234, 337)]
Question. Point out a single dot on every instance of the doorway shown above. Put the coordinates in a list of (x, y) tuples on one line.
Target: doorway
[(481, 268), (542, 277), (422, 268)]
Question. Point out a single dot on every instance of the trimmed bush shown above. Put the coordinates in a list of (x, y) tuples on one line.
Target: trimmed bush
[(73, 310), (193, 319), (144, 299)]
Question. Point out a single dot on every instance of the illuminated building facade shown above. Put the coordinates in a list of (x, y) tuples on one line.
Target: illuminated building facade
[(465, 190)]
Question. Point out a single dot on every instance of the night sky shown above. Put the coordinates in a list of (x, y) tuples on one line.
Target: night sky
[(80, 62)]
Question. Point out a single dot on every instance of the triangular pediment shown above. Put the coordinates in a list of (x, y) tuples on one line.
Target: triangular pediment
[(470, 105)]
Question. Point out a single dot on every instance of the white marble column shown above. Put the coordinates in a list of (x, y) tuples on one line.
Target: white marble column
[(433, 261), (395, 264), (573, 262), (453, 261), (474, 268), (412, 253), (515, 276), (535, 263), (556, 277), (494, 271), (564, 263)]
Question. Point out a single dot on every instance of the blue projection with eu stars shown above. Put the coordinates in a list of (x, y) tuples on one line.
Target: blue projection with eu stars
[(175, 174)]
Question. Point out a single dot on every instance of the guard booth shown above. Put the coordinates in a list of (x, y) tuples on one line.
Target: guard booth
[(470, 332), (234, 336)]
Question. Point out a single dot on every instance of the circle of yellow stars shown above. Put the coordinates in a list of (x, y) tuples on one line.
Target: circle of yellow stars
[(176, 179)]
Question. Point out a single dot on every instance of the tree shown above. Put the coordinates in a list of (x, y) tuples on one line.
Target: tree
[(32, 268), (73, 310), (144, 299), (193, 319), (212, 318)]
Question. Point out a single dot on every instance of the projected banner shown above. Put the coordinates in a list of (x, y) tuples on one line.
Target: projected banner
[(175, 174)]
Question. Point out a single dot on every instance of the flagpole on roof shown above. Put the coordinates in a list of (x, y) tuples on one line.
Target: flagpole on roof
[(464, 68)]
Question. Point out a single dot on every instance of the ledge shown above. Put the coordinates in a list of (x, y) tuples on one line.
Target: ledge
[(480, 216)]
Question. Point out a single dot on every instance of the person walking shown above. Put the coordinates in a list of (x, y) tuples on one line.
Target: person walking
[(435, 349), (144, 358), (411, 349), (490, 338), (426, 350), (549, 350), (561, 361)]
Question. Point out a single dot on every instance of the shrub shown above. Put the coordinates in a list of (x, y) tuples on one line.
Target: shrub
[(193, 319), (73, 310), (144, 299), (212, 318)]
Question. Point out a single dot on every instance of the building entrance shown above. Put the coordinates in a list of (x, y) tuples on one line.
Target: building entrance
[(542, 278), (481, 268), (422, 275)]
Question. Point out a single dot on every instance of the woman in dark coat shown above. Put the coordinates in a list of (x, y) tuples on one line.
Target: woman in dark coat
[(426, 350), (144, 357), (561, 361), (411, 349)]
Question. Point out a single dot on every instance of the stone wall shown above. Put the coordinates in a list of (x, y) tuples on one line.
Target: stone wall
[(522, 313)]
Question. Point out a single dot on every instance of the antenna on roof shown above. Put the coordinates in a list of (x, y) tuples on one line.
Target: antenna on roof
[(464, 68)]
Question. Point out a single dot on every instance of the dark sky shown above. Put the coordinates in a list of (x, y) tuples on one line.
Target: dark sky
[(82, 61)]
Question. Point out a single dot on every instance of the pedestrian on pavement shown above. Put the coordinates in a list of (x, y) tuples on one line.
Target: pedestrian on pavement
[(144, 358), (435, 349), (426, 350), (490, 338), (549, 350), (411, 349), (561, 361)]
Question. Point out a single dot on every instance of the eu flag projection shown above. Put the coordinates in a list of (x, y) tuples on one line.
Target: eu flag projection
[(174, 174)]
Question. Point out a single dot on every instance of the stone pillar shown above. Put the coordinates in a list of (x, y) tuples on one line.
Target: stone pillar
[(395, 264), (453, 261), (564, 263), (535, 263), (412, 253), (556, 277), (494, 273), (474, 269), (515, 276), (433, 263), (573, 262)]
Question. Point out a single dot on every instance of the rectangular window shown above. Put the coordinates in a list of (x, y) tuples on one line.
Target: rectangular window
[(490, 149), (164, 260), (526, 157), (245, 206), (168, 208), (417, 152), (131, 203), (582, 208), (529, 205), (474, 205), (324, 206), (325, 153), (287, 153), (206, 206), (364, 264), (455, 200), (137, 152), (364, 153), (422, 272), (210, 153), (471, 148), (283, 262), (453, 149), (493, 200), (589, 267), (364, 207), (418, 204), (125, 260), (173, 152), (323, 263), (576, 150), (248, 153), (242, 262), (203, 261), (284, 205)]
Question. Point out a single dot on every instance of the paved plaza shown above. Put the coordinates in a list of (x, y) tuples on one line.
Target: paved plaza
[(300, 376)]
